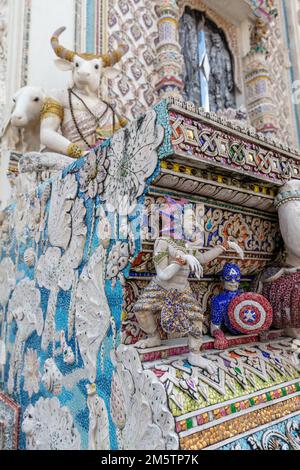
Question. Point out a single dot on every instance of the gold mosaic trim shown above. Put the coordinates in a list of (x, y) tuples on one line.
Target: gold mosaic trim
[(240, 425), (217, 178), (228, 409)]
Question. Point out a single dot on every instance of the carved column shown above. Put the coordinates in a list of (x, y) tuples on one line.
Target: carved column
[(3, 54), (169, 58), (258, 83)]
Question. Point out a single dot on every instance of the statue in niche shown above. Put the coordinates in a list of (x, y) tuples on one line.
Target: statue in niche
[(209, 76), (189, 42), (168, 297), (221, 86)]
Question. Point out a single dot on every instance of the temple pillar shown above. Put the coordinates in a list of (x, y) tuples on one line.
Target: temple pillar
[(169, 57), (258, 83)]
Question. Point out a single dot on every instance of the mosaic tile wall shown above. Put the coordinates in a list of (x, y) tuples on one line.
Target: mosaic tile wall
[(135, 23), (63, 263)]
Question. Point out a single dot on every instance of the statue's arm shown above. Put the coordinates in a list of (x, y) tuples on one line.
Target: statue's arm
[(51, 118), (217, 251), (210, 255), (164, 270), (50, 136)]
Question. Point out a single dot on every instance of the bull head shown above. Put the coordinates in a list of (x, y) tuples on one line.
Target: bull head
[(88, 69)]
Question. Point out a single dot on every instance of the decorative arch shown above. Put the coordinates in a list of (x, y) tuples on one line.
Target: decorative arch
[(229, 29)]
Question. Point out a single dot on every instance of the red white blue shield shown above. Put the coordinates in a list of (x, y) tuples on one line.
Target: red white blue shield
[(250, 313)]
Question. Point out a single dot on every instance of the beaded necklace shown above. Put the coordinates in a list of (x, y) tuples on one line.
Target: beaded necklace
[(97, 119)]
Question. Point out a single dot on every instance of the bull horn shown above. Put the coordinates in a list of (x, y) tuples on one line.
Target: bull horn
[(59, 50), (115, 56)]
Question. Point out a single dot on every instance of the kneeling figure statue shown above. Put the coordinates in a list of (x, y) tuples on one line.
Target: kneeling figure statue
[(170, 296)]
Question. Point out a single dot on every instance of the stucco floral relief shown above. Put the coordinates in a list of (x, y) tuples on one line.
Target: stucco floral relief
[(133, 158), (50, 426), (55, 269), (139, 393), (31, 372), (24, 307), (92, 316)]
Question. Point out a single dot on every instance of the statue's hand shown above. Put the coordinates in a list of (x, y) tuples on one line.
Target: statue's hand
[(194, 265), (235, 247)]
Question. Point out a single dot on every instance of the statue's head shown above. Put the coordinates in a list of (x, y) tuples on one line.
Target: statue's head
[(178, 219), (27, 106), (87, 69), (231, 276), (216, 40)]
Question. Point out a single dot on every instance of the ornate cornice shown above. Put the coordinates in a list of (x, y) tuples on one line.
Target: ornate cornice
[(215, 141)]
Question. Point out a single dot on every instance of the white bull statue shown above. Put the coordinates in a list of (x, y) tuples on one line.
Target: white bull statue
[(77, 118)]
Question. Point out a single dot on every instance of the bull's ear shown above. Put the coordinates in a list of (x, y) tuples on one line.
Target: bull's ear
[(111, 72), (64, 65)]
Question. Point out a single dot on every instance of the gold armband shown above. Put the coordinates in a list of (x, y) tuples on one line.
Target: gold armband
[(74, 151), (52, 107)]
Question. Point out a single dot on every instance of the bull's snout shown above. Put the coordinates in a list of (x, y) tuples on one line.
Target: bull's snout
[(84, 75), (18, 120)]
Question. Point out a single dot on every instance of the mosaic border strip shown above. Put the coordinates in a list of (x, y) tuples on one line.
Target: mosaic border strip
[(221, 445), (97, 26), (197, 422), (17, 418), (167, 352), (240, 425), (158, 192), (26, 39)]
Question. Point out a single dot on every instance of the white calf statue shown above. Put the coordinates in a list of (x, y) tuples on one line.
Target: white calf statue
[(75, 119), (21, 133), (22, 130)]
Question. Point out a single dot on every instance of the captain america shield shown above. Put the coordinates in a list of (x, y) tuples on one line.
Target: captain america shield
[(250, 313)]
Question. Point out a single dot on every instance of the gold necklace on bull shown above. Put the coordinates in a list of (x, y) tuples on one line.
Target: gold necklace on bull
[(97, 119)]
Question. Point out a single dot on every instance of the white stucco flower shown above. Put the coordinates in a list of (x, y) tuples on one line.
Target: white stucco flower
[(31, 372)]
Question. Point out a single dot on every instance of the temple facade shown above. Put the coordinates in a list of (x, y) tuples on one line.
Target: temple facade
[(173, 47), (149, 254)]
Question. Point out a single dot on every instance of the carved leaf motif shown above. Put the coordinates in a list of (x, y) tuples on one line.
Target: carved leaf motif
[(133, 159), (56, 271), (59, 222), (144, 396), (92, 316)]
